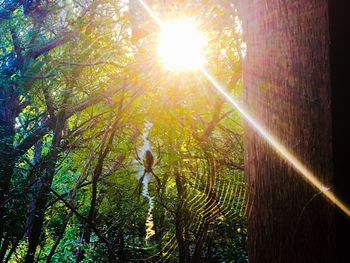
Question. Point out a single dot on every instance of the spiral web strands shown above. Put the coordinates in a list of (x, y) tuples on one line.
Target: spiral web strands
[(209, 203)]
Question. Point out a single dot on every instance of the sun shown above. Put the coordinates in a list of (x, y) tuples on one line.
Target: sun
[(181, 45)]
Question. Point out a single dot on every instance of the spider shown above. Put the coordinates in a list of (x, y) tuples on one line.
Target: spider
[(148, 163)]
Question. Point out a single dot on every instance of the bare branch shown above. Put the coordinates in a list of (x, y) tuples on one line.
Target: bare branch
[(53, 44), (90, 224)]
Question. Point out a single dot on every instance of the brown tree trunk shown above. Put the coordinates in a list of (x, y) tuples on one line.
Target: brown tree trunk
[(287, 89)]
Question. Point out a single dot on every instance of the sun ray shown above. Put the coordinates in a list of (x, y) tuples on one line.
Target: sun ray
[(268, 137), (279, 148)]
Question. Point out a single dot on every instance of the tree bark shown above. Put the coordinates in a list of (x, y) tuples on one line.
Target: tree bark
[(40, 206), (9, 106), (287, 89), (180, 218), (46, 172), (34, 182)]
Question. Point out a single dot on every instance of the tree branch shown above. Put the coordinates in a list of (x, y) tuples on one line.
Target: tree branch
[(53, 44), (90, 224), (17, 48)]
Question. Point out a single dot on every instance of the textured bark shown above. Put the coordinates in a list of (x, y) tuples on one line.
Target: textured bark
[(287, 88)]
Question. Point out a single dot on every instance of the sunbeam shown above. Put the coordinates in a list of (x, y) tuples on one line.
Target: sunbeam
[(279, 148), (268, 137)]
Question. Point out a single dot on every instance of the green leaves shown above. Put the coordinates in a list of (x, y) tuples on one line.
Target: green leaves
[(108, 73)]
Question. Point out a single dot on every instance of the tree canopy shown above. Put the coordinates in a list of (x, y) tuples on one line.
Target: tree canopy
[(79, 82)]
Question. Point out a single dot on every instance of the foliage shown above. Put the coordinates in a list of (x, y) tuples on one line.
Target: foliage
[(78, 81)]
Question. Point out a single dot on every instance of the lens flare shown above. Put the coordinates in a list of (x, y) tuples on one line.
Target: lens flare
[(279, 148), (268, 137)]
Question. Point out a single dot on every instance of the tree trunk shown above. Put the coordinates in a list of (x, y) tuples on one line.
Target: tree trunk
[(34, 182), (59, 236), (287, 89), (46, 172), (211, 210), (8, 111), (180, 218), (3, 248), (105, 148), (40, 206)]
